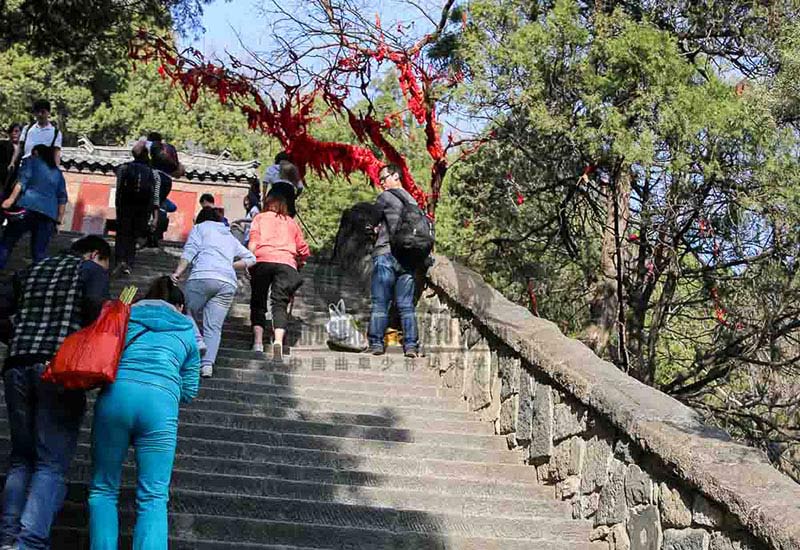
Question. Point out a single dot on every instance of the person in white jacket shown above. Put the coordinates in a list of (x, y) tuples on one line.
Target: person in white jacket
[(214, 255)]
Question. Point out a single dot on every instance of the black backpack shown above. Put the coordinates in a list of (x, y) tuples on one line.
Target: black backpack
[(135, 183), (412, 240)]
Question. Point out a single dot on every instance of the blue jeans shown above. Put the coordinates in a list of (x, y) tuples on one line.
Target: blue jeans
[(132, 412), (390, 279), (44, 420), (38, 225), (208, 301)]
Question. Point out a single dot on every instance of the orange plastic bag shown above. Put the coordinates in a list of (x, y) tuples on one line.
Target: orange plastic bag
[(90, 357)]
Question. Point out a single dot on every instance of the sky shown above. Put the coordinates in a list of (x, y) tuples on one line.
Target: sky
[(223, 20), (227, 24), (247, 18)]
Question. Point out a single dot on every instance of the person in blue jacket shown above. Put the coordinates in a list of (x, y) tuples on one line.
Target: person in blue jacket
[(40, 198), (160, 367)]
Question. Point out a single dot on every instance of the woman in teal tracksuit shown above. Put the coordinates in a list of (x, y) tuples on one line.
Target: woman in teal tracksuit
[(160, 366)]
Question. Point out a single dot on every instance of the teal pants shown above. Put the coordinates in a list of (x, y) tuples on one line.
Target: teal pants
[(126, 413)]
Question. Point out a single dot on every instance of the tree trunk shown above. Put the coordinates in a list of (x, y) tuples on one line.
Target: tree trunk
[(605, 314), (437, 177)]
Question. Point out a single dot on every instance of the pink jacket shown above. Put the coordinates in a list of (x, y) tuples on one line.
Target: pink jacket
[(277, 239)]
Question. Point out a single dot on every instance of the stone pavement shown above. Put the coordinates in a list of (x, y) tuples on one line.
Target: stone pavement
[(333, 450)]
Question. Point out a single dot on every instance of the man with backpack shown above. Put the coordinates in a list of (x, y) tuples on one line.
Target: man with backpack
[(138, 197), (42, 132), (51, 300), (404, 242)]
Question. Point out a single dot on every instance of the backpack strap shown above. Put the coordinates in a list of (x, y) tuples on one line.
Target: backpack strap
[(400, 195), (26, 130), (55, 134), (156, 187)]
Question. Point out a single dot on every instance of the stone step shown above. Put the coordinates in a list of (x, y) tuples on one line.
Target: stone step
[(317, 538), (278, 394), (336, 426), (301, 358), (255, 445), (345, 526), (281, 407), (247, 428), (69, 538), (254, 462), (267, 479), (431, 424), (209, 424), (300, 388), (275, 407), (284, 373), (193, 492)]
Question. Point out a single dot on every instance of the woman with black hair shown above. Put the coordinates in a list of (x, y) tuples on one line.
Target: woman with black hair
[(160, 367), (41, 197), (9, 152)]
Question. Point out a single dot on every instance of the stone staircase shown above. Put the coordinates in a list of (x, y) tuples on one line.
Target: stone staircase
[(331, 450)]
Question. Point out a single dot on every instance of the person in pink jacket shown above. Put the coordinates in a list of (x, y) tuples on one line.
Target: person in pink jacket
[(280, 250)]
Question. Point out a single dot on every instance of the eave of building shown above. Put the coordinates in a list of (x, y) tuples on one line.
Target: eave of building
[(90, 158)]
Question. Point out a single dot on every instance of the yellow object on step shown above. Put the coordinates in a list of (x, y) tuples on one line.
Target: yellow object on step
[(392, 337)]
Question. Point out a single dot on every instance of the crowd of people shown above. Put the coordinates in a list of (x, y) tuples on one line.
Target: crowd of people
[(174, 332)]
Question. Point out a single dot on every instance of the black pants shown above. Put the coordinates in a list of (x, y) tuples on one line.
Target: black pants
[(132, 222), (284, 280)]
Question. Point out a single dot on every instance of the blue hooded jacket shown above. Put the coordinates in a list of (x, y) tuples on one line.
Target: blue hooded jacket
[(165, 354)]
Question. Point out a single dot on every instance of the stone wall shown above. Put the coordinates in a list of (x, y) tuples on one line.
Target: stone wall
[(636, 462)]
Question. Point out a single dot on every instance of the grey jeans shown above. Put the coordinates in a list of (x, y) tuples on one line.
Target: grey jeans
[(208, 301)]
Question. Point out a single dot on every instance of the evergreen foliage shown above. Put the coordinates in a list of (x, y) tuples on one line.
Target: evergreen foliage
[(647, 193)]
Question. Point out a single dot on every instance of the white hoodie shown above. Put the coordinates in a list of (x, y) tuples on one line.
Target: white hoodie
[(212, 249)]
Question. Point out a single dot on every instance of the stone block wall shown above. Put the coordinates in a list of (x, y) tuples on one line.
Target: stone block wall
[(638, 464)]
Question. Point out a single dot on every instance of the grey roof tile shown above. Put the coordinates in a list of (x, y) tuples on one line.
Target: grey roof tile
[(199, 166)]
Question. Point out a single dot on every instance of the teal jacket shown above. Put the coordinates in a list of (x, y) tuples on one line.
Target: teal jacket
[(161, 350)]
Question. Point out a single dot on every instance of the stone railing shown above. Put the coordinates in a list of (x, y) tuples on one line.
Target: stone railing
[(639, 464)]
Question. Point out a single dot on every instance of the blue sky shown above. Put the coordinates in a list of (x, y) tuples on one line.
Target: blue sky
[(226, 22), (223, 20)]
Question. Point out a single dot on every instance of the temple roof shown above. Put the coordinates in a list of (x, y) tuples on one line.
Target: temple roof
[(88, 157)]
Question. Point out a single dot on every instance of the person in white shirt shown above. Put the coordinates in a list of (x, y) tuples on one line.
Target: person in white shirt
[(243, 224), (273, 174), (43, 132)]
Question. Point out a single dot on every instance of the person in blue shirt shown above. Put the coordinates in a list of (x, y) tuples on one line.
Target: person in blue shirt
[(41, 197), (159, 368)]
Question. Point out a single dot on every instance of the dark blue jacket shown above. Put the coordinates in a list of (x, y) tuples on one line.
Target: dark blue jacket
[(43, 188)]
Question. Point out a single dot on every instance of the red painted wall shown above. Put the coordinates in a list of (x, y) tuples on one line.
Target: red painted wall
[(91, 203), (180, 221), (92, 208)]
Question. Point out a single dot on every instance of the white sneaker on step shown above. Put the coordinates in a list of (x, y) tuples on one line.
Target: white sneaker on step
[(277, 353), (258, 347), (207, 371)]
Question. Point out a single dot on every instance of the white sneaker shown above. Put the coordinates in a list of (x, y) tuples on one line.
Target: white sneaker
[(207, 371), (258, 347), (277, 353)]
